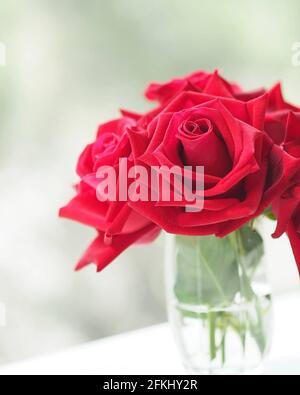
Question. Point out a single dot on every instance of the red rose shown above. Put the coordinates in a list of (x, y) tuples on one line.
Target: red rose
[(117, 224), (247, 142), (277, 115), (287, 206), (243, 167), (211, 84)]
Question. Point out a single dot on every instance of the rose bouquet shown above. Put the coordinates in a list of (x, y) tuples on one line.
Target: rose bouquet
[(248, 147)]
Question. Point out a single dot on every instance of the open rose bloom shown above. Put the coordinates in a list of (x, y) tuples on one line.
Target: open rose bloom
[(248, 144)]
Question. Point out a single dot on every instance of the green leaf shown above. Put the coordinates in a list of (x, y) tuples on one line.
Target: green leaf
[(207, 271), (252, 248), (211, 272), (269, 214)]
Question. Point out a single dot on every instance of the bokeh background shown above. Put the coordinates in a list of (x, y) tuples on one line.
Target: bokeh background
[(70, 65)]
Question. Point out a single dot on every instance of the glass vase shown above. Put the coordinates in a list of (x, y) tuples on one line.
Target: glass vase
[(219, 301)]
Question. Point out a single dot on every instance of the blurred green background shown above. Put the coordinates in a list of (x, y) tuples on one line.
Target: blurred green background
[(70, 65)]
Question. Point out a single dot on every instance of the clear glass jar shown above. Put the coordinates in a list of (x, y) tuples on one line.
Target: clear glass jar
[(219, 301)]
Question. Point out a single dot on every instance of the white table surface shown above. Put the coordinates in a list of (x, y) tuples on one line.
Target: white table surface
[(152, 351)]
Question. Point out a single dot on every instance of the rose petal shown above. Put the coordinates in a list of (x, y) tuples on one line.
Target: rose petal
[(102, 254)]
